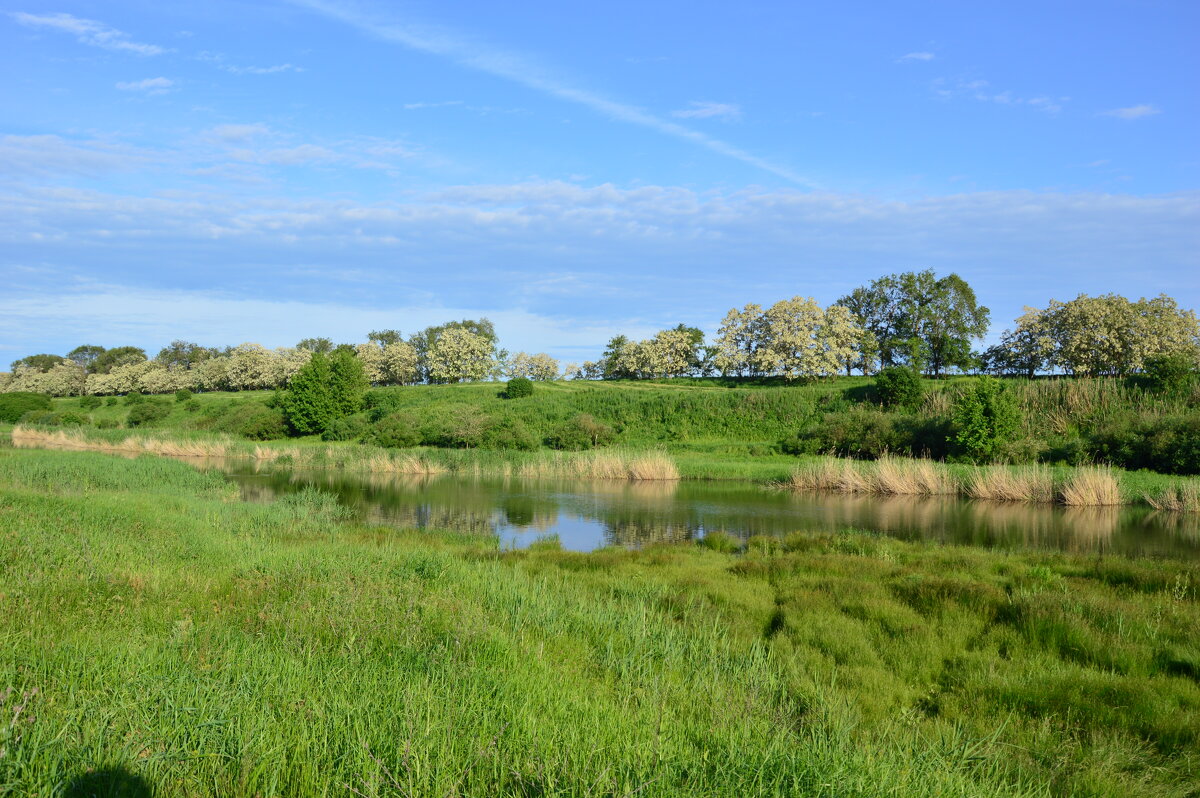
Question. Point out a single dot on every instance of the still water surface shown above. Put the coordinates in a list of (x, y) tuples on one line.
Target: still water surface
[(588, 515)]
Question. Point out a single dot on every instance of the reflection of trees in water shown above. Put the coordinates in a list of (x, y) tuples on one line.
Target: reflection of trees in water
[(634, 534)]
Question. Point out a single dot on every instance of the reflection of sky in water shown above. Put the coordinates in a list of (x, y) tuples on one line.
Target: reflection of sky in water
[(587, 515)]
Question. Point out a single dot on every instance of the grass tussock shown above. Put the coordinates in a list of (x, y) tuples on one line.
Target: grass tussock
[(1093, 486), (1033, 484), (1184, 498)]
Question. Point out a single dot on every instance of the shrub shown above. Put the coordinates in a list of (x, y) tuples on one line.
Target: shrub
[(717, 540), (899, 386), (191, 405), (144, 414), (454, 425), (14, 405), (347, 383), (986, 419), (49, 418), (395, 431), (346, 429), (382, 403), (582, 431), (183, 395), (518, 388), (508, 433), (862, 432), (90, 402), (112, 401), (1170, 444), (107, 423), (253, 420), (134, 397), (1169, 374)]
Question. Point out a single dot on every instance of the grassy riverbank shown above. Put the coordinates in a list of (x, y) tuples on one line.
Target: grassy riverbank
[(160, 633)]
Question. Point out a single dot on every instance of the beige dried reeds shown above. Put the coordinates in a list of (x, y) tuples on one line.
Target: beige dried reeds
[(1095, 486), (899, 477), (834, 475), (132, 446), (1184, 498), (652, 467), (1004, 484)]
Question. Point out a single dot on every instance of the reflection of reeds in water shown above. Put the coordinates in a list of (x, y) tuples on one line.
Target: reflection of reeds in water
[(1094, 486), (132, 446), (1004, 484), (1183, 498)]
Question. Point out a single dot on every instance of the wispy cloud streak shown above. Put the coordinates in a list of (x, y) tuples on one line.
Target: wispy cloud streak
[(87, 31), (521, 70)]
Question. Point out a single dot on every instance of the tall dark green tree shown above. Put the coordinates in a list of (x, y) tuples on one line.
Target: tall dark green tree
[(347, 383), (118, 356), (183, 354), (85, 355), (307, 404), (39, 362), (920, 320)]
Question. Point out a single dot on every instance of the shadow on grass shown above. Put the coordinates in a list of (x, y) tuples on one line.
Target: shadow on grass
[(114, 782)]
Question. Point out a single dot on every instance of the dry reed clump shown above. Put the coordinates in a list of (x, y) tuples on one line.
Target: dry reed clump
[(898, 477), (1002, 484), (1183, 498), (1091, 487), (652, 467), (835, 475), (24, 437)]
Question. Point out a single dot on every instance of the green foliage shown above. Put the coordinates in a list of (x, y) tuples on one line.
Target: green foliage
[(254, 421), (112, 401), (395, 431), (716, 540), (308, 406), (349, 428), (148, 413), (49, 418), (16, 404), (183, 395), (508, 433), (1170, 374), (1169, 445), (119, 356), (899, 386), (986, 418), (581, 431), (347, 383), (191, 405), (39, 362), (90, 402), (518, 388), (134, 397)]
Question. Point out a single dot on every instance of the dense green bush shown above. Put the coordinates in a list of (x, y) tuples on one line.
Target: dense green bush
[(49, 418), (582, 431), (191, 405), (382, 403), (134, 397), (147, 413), (112, 401), (986, 419), (183, 395), (395, 431), (253, 420), (508, 433), (347, 383), (899, 386), (862, 432), (16, 404), (350, 428), (1169, 444), (1169, 374), (518, 388), (90, 402)]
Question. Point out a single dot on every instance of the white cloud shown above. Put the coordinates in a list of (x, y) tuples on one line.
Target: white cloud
[(709, 110), (243, 132), (978, 89), (255, 70), (87, 31), (48, 155), (149, 85), (526, 72), (1133, 112), (910, 57)]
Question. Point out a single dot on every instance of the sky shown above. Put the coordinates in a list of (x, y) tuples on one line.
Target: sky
[(233, 171)]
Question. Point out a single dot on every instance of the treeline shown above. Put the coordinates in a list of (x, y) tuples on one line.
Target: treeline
[(914, 320)]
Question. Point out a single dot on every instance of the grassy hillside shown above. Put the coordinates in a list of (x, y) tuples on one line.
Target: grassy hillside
[(158, 636)]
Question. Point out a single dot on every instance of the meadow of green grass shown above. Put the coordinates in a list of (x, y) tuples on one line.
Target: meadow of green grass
[(159, 635)]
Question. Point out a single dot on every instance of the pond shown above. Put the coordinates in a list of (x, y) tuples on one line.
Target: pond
[(589, 515)]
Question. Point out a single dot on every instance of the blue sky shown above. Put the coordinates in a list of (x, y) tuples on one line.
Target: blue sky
[(235, 171)]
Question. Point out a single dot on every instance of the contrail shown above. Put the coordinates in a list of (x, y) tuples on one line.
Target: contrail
[(514, 67)]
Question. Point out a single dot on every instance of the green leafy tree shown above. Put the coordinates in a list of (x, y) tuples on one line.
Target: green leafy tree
[(1170, 374), (119, 356), (518, 388), (42, 363), (183, 354), (85, 355), (986, 418), (385, 337), (423, 343), (322, 345), (307, 404), (347, 383)]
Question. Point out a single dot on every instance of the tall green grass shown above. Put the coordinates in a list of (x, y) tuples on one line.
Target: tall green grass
[(161, 636)]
